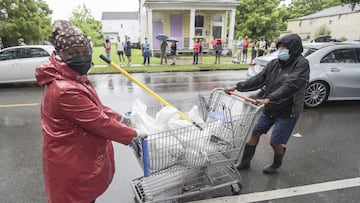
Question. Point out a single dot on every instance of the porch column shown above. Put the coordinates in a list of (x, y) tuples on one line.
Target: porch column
[(192, 28), (149, 32), (231, 30)]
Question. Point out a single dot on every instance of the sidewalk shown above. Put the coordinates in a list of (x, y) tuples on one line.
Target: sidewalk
[(179, 62)]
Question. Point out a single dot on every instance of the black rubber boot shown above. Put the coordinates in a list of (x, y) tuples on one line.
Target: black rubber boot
[(248, 154), (276, 163)]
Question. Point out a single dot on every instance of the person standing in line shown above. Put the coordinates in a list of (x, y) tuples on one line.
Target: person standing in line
[(107, 46), (173, 52), (163, 47), (285, 79), (239, 49), (218, 49), (245, 49), (120, 50), (254, 49), (196, 50), (146, 51), (262, 47), (77, 129), (200, 51), (21, 41), (127, 49), (272, 47)]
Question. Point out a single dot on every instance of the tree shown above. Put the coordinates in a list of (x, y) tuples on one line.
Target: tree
[(299, 8), (29, 19), (259, 18), (82, 18), (322, 30)]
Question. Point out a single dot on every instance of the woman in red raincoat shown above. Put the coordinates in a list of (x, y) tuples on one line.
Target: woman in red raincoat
[(78, 157)]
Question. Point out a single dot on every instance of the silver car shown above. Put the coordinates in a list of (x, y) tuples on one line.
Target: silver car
[(18, 64), (334, 71)]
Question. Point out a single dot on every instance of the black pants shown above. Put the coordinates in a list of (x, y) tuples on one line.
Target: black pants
[(196, 58)]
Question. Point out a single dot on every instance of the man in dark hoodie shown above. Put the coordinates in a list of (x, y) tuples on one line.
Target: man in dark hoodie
[(285, 80)]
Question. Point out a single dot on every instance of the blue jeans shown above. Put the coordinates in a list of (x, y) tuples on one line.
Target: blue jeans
[(283, 127), (146, 58)]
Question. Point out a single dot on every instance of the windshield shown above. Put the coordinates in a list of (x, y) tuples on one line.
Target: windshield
[(308, 50)]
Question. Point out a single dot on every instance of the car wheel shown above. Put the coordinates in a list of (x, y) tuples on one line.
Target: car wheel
[(316, 93)]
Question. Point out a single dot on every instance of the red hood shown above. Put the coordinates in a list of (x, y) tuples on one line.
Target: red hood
[(56, 70)]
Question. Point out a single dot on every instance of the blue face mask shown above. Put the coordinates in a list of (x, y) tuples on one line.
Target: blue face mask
[(283, 54)]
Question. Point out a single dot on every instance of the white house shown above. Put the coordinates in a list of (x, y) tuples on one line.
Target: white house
[(186, 19), (120, 24), (342, 20)]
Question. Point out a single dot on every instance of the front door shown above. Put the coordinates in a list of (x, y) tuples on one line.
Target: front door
[(176, 28), (158, 28)]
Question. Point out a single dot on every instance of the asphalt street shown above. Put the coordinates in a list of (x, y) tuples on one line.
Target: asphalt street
[(324, 148)]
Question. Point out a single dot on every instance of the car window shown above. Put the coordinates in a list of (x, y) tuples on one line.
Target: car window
[(38, 52), (33, 53), (10, 54), (307, 51), (358, 54), (340, 56)]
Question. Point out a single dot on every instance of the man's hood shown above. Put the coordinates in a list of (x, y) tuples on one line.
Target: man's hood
[(293, 42)]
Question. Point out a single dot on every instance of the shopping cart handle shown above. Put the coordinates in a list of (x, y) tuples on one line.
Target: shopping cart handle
[(105, 59), (243, 97)]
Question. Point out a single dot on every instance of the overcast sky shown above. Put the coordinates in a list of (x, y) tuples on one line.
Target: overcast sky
[(62, 9)]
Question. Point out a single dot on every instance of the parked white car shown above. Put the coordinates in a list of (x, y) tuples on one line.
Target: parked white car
[(18, 63), (334, 71)]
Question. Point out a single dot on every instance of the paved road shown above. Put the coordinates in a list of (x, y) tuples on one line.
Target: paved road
[(326, 151)]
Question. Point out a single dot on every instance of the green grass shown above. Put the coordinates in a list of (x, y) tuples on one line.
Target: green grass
[(184, 61)]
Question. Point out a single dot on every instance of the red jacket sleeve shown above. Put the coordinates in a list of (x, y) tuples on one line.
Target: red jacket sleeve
[(78, 108)]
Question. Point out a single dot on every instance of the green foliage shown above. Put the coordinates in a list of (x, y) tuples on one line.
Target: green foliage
[(352, 2), (259, 18), (343, 38), (299, 8), (29, 19), (82, 18), (322, 30)]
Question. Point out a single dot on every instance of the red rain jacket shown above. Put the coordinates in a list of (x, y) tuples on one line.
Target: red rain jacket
[(78, 157)]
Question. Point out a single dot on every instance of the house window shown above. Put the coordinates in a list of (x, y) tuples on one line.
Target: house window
[(217, 26), (158, 18), (199, 25)]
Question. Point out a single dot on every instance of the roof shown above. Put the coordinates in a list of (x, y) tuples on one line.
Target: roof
[(120, 15), (208, 1), (333, 11)]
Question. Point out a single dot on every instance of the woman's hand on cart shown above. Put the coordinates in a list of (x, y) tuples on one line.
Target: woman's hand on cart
[(140, 134), (124, 120)]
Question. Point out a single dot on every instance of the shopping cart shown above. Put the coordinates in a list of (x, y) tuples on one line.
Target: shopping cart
[(188, 161)]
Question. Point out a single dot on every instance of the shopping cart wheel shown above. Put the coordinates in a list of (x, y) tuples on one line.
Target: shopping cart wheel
[(236, 188)]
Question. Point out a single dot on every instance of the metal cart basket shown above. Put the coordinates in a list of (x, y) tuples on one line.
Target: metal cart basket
[(188, 161)]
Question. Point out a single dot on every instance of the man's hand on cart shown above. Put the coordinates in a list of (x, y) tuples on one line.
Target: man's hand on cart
[(124, 120), (262, 101), (140, 134), (228, 90)]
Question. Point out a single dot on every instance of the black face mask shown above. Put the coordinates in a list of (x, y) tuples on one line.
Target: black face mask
[(80, 64)]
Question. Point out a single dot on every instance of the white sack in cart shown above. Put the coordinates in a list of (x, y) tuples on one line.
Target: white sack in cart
[(163, 151)]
